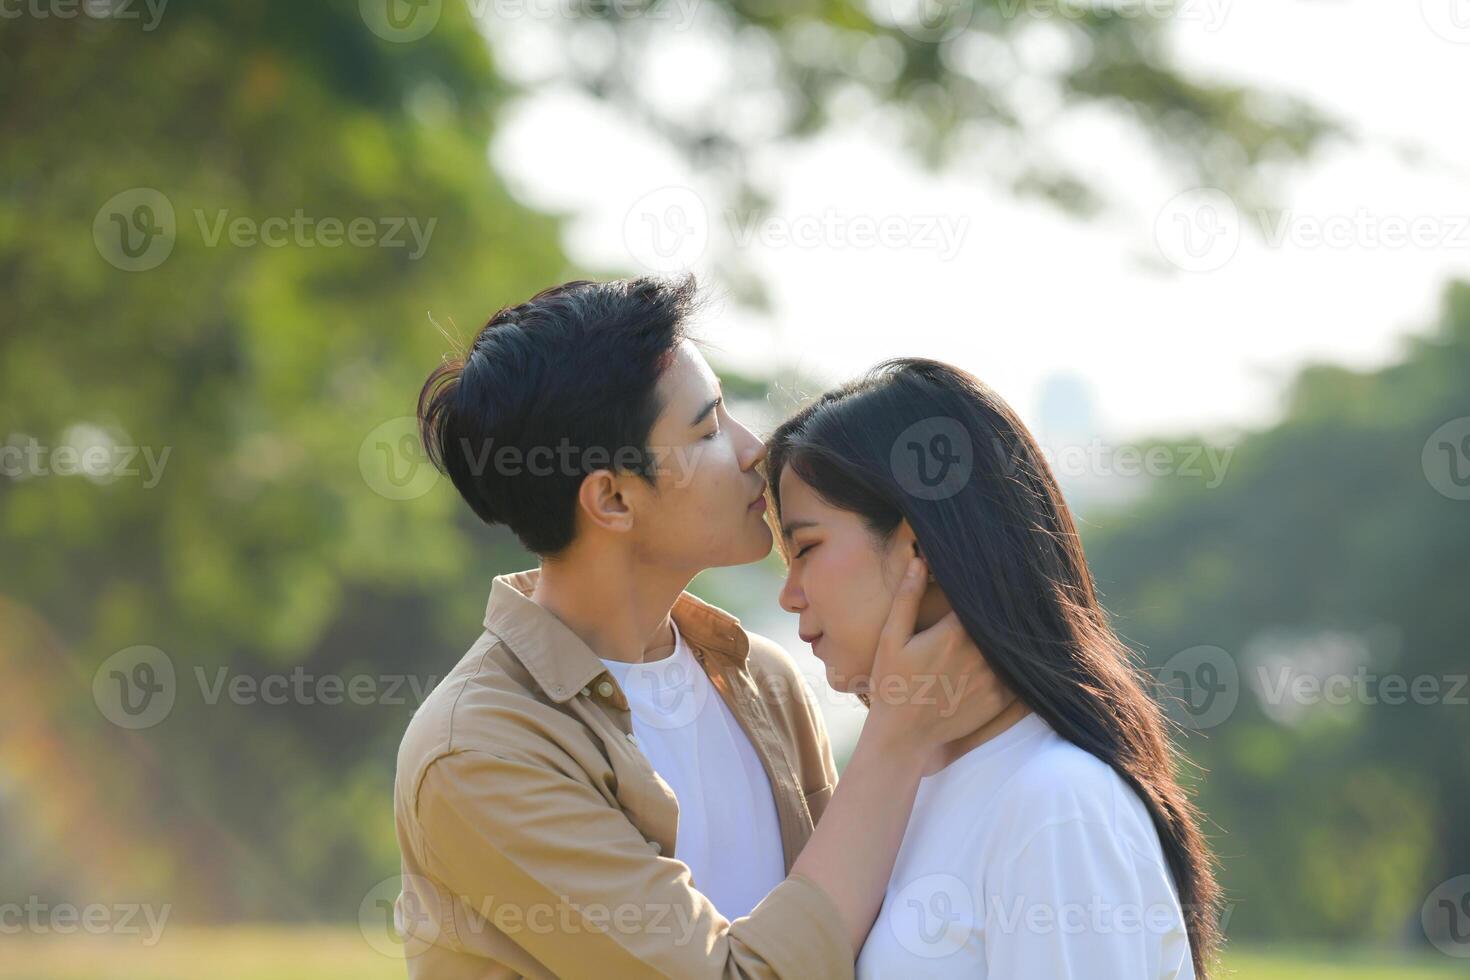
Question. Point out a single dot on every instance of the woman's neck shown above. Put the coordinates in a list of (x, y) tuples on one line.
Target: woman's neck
[(950, 751)]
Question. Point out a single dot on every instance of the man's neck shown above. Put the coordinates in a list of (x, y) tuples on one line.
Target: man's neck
[(621, 613)]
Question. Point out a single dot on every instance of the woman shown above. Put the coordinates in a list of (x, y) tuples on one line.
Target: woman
[(1055, 842)]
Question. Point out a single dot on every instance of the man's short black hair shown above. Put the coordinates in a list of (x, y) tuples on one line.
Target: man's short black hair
[(549, 391)]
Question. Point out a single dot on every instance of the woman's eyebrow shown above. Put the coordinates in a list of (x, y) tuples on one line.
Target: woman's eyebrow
[(792, 527)]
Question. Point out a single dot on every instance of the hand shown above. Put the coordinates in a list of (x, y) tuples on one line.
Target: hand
[(931, 687)]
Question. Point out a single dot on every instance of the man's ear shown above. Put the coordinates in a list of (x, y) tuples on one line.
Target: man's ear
[(601, 500)]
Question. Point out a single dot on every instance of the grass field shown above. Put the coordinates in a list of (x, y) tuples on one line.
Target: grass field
[(272, 953)]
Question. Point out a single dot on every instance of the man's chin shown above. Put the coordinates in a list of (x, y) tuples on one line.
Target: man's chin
[(753, 547)]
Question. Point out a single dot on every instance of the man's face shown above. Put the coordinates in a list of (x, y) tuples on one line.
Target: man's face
[(708, 506)]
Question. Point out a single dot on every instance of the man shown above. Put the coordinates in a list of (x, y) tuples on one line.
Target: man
[(617, 780)]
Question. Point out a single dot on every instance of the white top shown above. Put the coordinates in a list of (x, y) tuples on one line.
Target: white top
[(728, 831), (1029, 858)]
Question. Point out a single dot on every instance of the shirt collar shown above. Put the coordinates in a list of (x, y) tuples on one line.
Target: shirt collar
[(559, 660)]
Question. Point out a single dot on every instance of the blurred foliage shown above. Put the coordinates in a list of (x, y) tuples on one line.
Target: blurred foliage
[(971, 84), (261, 371), (973, 87), (1331, 820)]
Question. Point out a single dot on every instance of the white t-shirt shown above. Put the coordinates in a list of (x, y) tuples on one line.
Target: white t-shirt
[(1029, 858), (728, 830)]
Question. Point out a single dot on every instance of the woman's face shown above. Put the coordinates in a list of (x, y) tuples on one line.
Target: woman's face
[(841, 582)]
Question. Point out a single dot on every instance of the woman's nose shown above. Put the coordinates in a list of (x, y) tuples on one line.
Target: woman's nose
[(792, 599)]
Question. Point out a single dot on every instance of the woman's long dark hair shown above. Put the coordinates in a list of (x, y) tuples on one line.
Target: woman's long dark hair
[(921, 440)]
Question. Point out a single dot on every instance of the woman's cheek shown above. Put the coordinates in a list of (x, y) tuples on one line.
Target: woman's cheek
[(850, 667)]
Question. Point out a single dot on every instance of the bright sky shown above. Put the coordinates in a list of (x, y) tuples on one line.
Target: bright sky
[(1022, 295)]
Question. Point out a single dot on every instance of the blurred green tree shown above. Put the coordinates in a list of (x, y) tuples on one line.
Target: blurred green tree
[(1336, 546)]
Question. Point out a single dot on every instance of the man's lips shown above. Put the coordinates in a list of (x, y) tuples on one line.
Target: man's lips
[(759, 503)]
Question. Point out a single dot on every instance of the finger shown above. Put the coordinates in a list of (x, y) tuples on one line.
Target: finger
[(904, 612)]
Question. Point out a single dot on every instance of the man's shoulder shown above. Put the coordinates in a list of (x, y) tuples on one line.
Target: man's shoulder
[(767, 657), (487, 703), (776, 675)]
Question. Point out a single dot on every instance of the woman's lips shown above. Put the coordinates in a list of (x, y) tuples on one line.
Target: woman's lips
[(759, 503)]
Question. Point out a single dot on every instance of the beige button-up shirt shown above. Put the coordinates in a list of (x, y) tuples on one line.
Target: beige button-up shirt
[(534, 832)]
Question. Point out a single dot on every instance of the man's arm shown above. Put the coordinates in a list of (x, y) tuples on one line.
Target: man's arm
[(541, 856)]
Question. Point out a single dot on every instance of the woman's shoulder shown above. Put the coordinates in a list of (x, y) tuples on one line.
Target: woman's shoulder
[(1061, 783), (1057, 768)]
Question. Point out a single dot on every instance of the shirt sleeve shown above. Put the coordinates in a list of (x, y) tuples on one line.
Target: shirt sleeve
[(1068, 906), (543, 857)]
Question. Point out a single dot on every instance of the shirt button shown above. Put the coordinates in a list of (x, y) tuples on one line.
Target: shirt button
[(586, 691), (605, 689), (657, 847), (633, 738)]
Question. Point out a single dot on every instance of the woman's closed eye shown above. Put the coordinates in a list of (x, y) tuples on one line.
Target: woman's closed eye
[(805, 550)]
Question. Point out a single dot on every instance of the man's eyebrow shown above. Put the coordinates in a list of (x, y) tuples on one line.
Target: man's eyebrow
[(704, 412), (793, 526)]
